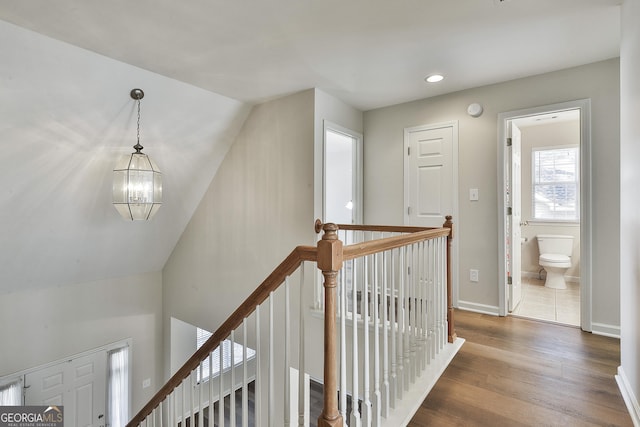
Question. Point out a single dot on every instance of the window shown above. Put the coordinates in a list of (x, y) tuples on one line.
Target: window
[(556, 184), (118, 387), (202, 336)]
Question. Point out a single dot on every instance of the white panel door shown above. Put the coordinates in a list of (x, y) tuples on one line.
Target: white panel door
[(79, 385), (515, 289), (429, 191)]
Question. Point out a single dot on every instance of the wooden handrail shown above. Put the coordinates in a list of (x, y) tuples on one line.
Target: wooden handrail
[(385, 228), (271, 283), (374, 246)]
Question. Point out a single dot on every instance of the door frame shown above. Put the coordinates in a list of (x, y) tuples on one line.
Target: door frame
[(456, 213), (586, 230)]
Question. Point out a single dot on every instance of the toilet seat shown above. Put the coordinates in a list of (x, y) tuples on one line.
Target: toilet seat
[(555, 260)]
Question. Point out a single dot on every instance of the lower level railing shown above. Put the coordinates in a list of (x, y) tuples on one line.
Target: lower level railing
[(385, 302)]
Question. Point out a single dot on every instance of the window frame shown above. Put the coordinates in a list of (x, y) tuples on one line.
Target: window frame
[(535, 184)]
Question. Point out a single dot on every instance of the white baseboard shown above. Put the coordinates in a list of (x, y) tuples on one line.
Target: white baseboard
[(629, 396), (535, 275), (479, 308), (603, 329)]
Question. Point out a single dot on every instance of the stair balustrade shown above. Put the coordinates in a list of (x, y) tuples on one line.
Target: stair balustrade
[(384, 294)]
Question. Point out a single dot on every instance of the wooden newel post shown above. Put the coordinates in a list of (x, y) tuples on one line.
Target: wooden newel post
[(450, 318), (330, 262)]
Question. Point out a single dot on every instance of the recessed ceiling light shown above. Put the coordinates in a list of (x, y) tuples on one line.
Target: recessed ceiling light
[(434, 78)]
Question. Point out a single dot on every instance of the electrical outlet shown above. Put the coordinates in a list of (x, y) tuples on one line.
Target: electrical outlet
[(474, 275)]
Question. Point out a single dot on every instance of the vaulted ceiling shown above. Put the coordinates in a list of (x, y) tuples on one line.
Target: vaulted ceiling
[(68, 65)]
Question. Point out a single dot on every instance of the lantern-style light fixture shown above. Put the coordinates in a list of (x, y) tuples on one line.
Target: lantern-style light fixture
[(137, 181)]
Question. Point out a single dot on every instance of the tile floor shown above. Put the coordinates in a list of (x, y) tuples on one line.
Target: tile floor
[(555, 305)]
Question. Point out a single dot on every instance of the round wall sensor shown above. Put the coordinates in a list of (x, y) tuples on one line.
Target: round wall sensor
[(475, 110)]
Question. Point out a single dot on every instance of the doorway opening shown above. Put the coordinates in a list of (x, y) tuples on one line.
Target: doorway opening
[(544, 213), (342, 175)]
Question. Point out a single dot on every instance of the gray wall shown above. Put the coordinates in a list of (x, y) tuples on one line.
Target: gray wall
[(478, 224), (41, 326), (630, 209)]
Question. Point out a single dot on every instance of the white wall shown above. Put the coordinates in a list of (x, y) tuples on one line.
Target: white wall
[(47, 325), (258, 208), (629, 206), (66, 118), (260, 205), (182, 338), (477, 227), (544, 135)]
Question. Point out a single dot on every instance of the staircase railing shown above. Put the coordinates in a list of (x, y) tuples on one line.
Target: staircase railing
[(395, 288)]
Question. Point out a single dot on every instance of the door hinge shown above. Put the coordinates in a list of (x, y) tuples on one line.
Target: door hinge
[(509, 142), (408, 210), (509, 280), (408, 151), (509, 211)]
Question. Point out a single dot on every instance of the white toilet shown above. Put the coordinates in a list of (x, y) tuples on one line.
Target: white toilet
[(555, 257)]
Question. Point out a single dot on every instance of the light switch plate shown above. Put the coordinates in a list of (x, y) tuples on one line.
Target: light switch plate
[(474, 194)]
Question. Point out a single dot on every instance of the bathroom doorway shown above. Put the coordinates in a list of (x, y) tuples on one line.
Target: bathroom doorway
[(545, 194)]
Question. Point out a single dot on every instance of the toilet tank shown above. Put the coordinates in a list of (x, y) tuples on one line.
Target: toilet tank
[(555, 244)]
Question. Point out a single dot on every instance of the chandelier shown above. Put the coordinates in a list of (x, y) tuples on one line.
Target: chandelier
[(137, 181)]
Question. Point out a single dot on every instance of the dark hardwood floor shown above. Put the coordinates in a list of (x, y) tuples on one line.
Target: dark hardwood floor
[(518, 372)]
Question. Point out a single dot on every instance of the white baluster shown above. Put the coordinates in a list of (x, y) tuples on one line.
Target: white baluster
[(438, 286), (343, 342), (386, 306), (422, 306), (355, 412), (200, 406), (431, 315), (192, 398), (415, 327), (245, 376), (221, 387), (301, 365), (271, 380), (170, 419), (287, 351), (161, 406), (442, 283), (211, 415), (406, 334), (422, 321), (395, 327), (232, 389), (435, 292), (258, 381), (366, 404), (375, 288), (183, 412)]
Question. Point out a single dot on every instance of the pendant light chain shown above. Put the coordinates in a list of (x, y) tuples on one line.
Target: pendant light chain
[(138, 147), (138, 122)]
